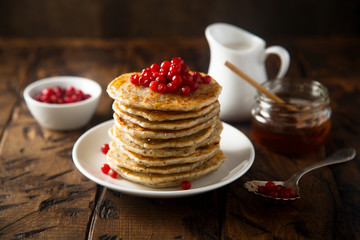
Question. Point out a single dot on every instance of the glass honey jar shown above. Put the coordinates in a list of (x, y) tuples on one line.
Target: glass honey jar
[(300, 124)]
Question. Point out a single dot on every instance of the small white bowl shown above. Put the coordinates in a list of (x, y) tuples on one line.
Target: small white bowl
[(66, 116)]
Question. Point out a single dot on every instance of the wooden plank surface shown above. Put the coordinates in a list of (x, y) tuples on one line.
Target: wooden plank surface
[(44, 196)]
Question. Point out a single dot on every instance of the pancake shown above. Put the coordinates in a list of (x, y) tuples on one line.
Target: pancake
[(156, 115), (156, 180), (122, 90), (140, 132), (166, 143), (122, 160), (165, 125), (201, 154), (163, 152)]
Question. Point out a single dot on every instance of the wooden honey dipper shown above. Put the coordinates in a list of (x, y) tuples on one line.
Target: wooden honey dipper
[(252, 82)]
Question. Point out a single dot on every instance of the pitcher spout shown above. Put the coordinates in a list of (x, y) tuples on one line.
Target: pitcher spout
[(231, 38)]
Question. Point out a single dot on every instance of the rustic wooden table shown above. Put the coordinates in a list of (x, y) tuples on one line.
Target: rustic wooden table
[(44, 196)]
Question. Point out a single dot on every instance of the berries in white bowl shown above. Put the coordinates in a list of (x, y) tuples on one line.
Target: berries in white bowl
[(59, 95), (64, 102)]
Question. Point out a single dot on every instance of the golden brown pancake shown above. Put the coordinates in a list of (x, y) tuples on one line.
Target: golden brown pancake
[(158, 115), (140, 132), (163, 152), (149, 143), (122, 90), (122, 160), (166, 125), (156, 180), (201, 154)]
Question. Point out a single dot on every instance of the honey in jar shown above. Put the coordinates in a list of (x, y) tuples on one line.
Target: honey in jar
[(299, 125)]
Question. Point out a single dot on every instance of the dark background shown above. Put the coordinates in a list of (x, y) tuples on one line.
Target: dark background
[(187, 18)]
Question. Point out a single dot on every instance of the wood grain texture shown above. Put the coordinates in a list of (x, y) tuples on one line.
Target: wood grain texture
[(44, 196), (185, 18)]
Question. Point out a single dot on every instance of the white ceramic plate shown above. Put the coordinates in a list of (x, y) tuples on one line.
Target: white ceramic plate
[(88, 158)]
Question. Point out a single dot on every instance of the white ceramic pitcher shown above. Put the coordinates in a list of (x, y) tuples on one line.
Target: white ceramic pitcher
[(247, 52)]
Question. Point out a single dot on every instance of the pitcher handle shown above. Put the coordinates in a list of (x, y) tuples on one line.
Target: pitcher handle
[(284, 58)]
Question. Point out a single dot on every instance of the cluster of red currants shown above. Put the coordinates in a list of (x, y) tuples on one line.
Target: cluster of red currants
[(170, 77), (106, 167), (276, 191), (59, 95)]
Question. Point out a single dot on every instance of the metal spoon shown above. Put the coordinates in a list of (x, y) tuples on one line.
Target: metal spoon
[(340, 156)]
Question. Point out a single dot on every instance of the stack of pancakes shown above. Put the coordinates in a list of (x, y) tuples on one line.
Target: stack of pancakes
[(160, 140)]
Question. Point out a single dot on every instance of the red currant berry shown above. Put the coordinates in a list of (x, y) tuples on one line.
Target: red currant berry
[(113, 174), (185, 69), (68, 99), (161, 79), (177, 80), (86, 96), (145, 71), (175, 69), (165, 65), (144, 81), (284, 193), (155, 67), (187, 79), (38, 97), (105, 148), (274, 194), (194, 86), (58, 91), (154, 85), (76, 98), (162, 88), (70, 90), (169, 76), (171, 87), (53, 99), (134, 79), (78, 92), (105, 168), (154, 76), (277, 188), (185, 90), (147, 75), (270, 185), (197, 76), (163, 72), (185, 185), (47, 92), (262, 190), (290, 192), (206, 79), (178, 60)]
